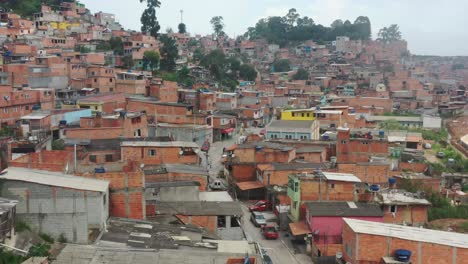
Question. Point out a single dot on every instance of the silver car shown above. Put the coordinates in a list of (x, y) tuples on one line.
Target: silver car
[(258, 219)]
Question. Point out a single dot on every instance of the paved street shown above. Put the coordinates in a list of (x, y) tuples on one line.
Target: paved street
[(216, 150), (280, 250)]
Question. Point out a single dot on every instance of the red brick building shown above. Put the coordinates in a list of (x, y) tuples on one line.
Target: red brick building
[(404, 208), (370, 242), (126, 125), (357, 146), (157, 153)]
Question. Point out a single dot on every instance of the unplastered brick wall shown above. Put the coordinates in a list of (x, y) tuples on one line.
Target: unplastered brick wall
[(126, 197), (371, 249), (48, 160)]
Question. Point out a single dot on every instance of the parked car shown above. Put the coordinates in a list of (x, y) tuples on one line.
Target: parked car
[(269, 231), (266, 258), (258, 219), (217, 185), (440, 155), (260, 206)]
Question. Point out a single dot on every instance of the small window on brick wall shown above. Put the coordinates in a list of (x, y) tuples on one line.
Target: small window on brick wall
[(92, 158), (152, 152), (109, 158)]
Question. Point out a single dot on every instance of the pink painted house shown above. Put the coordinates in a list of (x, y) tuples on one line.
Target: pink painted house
[(325, 221)]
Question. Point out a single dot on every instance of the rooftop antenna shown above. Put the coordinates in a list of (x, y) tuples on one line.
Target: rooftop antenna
[(181, 16)]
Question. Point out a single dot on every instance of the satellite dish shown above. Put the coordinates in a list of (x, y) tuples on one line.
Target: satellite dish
[(181, 153)]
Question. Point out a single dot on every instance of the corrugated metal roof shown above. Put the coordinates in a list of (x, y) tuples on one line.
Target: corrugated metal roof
[(55, 179), (331, 176), (408, 233), (397, 118), (343, 209), (181, 144)]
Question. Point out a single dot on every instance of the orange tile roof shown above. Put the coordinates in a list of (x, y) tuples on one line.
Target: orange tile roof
[(299, 228), (250, 185)]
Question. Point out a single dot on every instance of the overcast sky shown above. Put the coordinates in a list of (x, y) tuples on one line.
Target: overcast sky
[(431, 27)]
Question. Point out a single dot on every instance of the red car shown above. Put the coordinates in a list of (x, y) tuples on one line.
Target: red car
[(269, 231), (260, 206)]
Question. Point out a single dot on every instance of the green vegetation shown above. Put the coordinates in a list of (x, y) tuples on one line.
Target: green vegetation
[(281, 66), (39, 250), (149, 21), (116, 45), (127, 61), (182, 28), (8, 257), (62, 239), (440, 135), (58, 144), (293, 28), (183, 77), (168, 76), (82, 49), (21, 226), (151, 60), (403, 113), (301, 74), (47, 238), (6, 132), (460, 164), (389, 34), (247, 72), (224, 70), (463, 227), (26, 8), (217, 23), (441, 207), (103, 46), (169, 53)]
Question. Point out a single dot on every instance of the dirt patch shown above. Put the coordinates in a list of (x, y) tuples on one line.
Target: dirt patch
[(452, 225)]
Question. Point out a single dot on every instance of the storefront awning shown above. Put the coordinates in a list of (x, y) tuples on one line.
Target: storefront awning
[(299, 228), (250, 185), (227, 130)]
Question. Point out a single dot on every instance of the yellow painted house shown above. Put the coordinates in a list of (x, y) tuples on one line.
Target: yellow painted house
[(298, 115), (63, 25)]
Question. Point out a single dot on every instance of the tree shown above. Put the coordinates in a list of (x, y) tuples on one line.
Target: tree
[(169, 53), (337, 23), (363, 27), (305, 22), (234, 64), (117, 45), (182, 28), (247, 72), (291, 17), (103, 46), (127, 62), (183, 77), (281, 66), (218, 26), (151, 60), (392, 33), (149, 22), (216, 62), (301, 74), (221, 68), (198, 54)]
